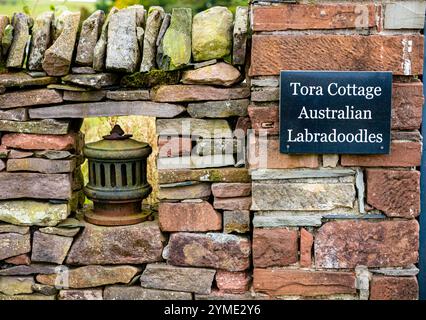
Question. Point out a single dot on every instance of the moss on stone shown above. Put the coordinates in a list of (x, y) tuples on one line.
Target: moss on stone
[(151, 79)]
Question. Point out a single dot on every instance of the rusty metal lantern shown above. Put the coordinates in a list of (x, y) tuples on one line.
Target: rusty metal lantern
[(117, 179)]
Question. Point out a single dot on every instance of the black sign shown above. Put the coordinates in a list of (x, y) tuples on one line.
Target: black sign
[(335, 112)]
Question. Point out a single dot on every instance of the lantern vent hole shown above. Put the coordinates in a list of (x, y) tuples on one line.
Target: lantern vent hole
[(123, 175)]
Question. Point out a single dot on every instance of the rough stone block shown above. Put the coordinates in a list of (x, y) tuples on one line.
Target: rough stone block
[(277, 282), (41, 165), (33, 97), (89, 276), (314, 16), (188, 93), (309, 195), (402, 154), (276, 247), (228, 190), (29, 212), (214, 250), (396, 193), (166, 277), (193, 191), (39, 141), (306, 242), (236, 221), (196, 217), (401, 54), (232, 282), (106, 245), (35, 185), (394, 288), (50, 248), (138, 293), (264, 153), (346, 244), (240, 203), (13, 244)]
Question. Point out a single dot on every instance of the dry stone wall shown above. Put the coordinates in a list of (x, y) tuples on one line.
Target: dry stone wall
[(236, 219)]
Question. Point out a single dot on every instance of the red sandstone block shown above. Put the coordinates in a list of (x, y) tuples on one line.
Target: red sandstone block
[(407, 104), (232, 282), (39, 141), (306, 242), (240, 203), (227, 190), (265, 119), (396, 193), (314, 16), (402, 154), (394, 288), (303, 283), (174, 147), (347, 244), (401, 54), (22, 259), (274, 247), (188, 216), (264, 153)]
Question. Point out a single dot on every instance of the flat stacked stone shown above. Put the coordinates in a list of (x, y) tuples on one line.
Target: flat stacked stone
[(221, 74)]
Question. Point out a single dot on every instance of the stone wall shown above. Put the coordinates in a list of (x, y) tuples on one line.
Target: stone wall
[(236, 219)]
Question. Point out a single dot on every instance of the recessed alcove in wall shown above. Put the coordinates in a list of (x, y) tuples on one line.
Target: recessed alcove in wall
[(142, 128)]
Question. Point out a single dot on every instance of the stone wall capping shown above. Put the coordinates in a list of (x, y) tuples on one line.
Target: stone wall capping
[(108, 108), (280, 174)]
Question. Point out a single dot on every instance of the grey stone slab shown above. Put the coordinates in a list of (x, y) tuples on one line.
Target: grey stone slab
[(196, 162), (219, 109), (18, 114), (45, 126), (276, 219), (107, 109), (139, 293), (167, 277), (404, 15), (35, 185), (84, 96), (214, 128), (397, 272), (279, 174), (306, 196), (265, 81), (34, 268)]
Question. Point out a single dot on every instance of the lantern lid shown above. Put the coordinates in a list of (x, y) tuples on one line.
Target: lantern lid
[(117, 146)]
